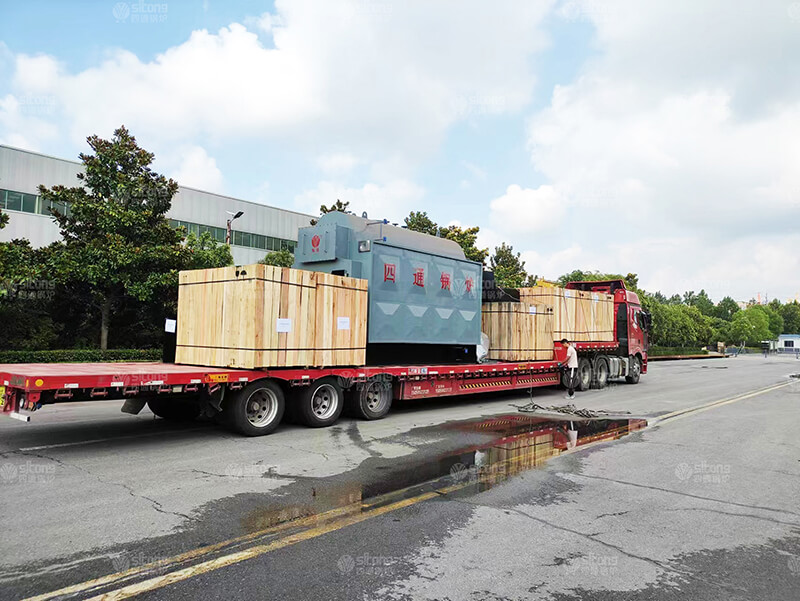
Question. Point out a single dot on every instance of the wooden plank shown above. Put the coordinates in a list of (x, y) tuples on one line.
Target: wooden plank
[(518, 331), (577, 315), (258, 316)]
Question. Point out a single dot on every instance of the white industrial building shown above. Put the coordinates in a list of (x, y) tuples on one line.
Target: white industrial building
[(260, 230), (788, 343)]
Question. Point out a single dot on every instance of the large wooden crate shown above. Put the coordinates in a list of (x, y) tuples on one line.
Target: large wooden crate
[(577, 315), (518, 331), (258, 316)]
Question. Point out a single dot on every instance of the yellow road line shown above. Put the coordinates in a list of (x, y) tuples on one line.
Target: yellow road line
[(234, 558), (335, 524), (675, 415), (195, 553)]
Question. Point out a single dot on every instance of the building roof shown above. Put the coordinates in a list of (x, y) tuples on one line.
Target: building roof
[(78, 163)]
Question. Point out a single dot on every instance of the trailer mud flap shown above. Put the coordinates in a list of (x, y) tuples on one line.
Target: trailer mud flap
[(133, 406)]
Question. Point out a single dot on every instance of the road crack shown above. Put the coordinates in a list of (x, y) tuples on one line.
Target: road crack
[(157, 506)]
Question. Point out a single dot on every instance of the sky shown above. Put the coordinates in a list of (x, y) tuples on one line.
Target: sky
[(660, 138)]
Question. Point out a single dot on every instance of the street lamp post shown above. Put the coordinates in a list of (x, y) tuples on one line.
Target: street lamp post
[(229, 231)]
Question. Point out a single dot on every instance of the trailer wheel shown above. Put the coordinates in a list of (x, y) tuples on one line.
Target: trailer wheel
[(600, 379), (320, 404), (175, 410), (372, 401), (584, 374), (256, 409), (635, 372)]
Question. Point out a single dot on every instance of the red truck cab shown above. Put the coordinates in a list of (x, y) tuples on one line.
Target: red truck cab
[(631, 334)]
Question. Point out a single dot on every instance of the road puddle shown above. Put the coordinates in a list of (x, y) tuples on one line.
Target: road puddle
[(506, 445)]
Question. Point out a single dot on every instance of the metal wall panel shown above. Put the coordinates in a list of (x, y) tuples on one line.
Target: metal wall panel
[(23, 171)]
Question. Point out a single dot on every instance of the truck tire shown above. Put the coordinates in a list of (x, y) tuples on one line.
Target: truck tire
[(600, 379), (320, 404), (256, 409), (584, 374), (635, 371), (372, 401), (175, 410)]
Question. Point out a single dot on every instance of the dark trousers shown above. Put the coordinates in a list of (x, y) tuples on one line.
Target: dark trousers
[(572, 380)]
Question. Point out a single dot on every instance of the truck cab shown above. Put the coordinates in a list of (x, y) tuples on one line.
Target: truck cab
[(631, 329)]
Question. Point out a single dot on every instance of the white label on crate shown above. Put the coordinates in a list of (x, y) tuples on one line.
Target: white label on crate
[(342, 323), (170, 326), (283, 325), (532, 310)]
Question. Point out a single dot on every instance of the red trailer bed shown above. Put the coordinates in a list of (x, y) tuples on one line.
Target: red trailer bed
[(27, 387)]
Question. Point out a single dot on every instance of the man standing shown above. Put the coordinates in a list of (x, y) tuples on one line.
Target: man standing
[(572, 368)]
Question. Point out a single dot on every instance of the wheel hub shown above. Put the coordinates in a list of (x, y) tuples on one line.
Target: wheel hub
[(262, 407), (324, 401)]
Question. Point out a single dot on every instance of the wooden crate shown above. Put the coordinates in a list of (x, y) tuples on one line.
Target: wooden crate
[(341, 324), (577, 315), (258, 316), (518, 331)]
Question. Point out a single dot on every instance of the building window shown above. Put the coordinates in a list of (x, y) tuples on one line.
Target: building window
[(13, 201), (29, 203), (788, 344)]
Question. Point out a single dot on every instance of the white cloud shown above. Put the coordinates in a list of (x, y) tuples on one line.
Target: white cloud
[(337, 163), (677, 148), (198, 170), (527, 209), (392, 200), (321, 73)]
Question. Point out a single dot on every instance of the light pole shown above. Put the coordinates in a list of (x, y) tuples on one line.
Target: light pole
[(229, 231)]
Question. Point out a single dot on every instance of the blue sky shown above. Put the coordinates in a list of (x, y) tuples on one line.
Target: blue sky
[(613, 135)]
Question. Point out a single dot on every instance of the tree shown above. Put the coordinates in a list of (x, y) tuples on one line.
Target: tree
[(577, 275), (278, 258), (703, 303), (791, 318), (116, 236), (749, 326), (509, 269), (3, 220), (206, 252), (726, 308), (418, 221), (774, 320), (466, 239), (337, 206)]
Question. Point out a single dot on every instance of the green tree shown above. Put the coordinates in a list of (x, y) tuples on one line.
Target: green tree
[(3, 219), (703, 303), (466, 239), (773, 318), (418, 221), (750, 326), (337, 206), (278, 258), (791, 318), (116, 236), (726, 308), (509, 269), (206, 253), (577, 275)]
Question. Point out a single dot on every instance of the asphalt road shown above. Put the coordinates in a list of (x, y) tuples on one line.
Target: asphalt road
[(701, 505)]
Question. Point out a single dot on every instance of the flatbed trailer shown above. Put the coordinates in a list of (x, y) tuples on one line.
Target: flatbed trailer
[(254, 401)]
